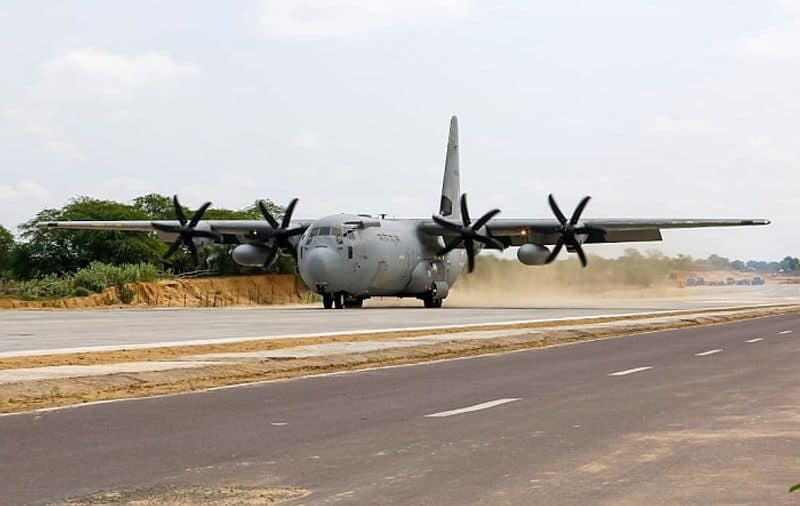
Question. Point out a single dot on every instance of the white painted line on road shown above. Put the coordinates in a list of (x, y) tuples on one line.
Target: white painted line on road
[(630, 371), (785, 332), (757, 339), (466, 326), (707, 353), (476, 407)]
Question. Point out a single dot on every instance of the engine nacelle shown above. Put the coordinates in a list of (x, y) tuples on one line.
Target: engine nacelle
[(532, 254), (250, 255)]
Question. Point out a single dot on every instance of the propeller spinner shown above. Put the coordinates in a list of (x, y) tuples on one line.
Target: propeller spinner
[(469, 232)]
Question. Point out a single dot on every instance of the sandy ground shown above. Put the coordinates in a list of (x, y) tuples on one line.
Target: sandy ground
[(22, 396), (222, 291), (187, 496)]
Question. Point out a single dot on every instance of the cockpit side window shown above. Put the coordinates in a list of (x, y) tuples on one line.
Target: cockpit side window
[(336, 231), (324, 230)]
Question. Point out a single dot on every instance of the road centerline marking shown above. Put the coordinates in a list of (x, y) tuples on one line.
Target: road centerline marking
[(476, 407), (757, 339), (631, 371), (707, 353), (785, 332)]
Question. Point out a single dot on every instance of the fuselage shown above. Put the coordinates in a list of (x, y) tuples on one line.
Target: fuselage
[(364, 256)]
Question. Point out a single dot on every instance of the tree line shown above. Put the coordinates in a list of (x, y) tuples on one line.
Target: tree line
[(43, 252)]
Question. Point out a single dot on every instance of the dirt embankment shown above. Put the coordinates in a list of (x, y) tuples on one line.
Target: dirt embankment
[(221, 291)]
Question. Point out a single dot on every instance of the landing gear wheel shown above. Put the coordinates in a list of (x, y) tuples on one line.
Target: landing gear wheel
[(430, 302), (327, 300), (338, 300), (353, 302)]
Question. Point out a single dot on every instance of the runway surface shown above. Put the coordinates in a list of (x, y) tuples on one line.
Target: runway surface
[(57, 330), (696, 416)]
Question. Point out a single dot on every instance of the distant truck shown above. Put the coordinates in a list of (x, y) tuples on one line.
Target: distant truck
[(758, 280)]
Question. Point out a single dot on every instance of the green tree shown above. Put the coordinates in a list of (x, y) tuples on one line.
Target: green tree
[(52, 251), (155, 206), (7, 245), (789, 264)]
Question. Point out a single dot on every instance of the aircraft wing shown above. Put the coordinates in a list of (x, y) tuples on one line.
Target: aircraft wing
[(514, 232), (230, 231)]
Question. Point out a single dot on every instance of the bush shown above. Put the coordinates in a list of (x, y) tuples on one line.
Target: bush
[(94, 278), (81, 292)]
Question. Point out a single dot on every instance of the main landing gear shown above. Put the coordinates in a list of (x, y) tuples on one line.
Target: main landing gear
[(431, 302), (340, 300)]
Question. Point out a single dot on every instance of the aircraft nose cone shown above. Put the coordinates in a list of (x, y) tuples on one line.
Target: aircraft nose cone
[(319, 266)]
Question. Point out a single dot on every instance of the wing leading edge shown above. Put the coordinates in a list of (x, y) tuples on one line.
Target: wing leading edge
[(515, 232)]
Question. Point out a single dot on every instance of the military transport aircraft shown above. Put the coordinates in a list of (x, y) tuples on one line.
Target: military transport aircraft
[(347, 258)]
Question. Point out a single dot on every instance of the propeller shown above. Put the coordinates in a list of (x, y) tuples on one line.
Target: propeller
[(186, 230), (569, 230), (280, 231), (469, 232)]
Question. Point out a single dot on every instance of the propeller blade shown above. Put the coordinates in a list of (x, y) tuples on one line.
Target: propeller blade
[(556, 210), (556, 250), (287, 216), (581, 254), (178, 210), (576, 215), (490, 241), (295, 231), (267, 216), (470, 247), (273, 254), (193, 250), (198, 215), (172, 249), (465, 210), (446, 224), (483, 220)]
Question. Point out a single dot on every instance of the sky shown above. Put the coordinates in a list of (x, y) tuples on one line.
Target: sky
[(656, 109)]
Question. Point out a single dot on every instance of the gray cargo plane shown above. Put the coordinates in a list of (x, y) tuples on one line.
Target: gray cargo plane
[(348, 258)]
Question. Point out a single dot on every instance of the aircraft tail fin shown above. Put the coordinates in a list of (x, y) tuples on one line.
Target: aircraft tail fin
[(451, 186)]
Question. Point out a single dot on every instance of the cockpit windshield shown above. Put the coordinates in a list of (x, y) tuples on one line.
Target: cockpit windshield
[(325, 231)]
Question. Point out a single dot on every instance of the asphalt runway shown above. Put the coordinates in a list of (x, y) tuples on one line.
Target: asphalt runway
[(42, 331), (707, 415)]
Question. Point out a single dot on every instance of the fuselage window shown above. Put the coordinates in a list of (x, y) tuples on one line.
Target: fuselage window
[(350, 252)]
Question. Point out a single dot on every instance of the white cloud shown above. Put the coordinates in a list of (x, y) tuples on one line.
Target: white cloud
[(22, 191), (781, 43), (82, 82), (668, 124), (17, 198), (308, 139), (98, 74), (326, 18)]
